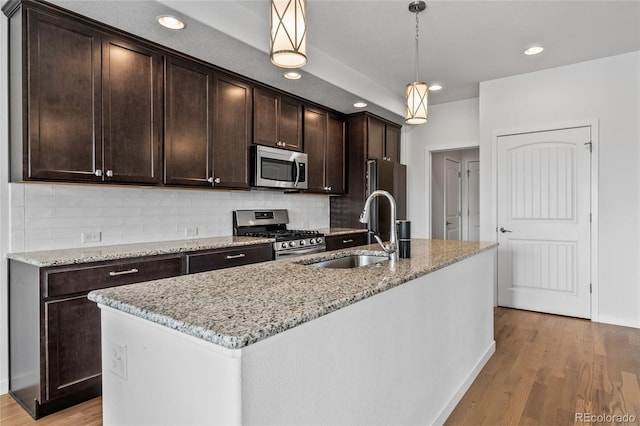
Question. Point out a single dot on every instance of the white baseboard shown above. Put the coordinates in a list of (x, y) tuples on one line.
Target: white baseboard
[(464, 386), (624, 322), (4, 387)]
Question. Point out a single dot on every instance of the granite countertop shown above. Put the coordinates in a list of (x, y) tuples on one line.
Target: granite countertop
[(329, 232), (124, 251), (239, 306)]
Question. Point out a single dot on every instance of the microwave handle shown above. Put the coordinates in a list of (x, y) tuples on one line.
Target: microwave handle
[(297, 173)]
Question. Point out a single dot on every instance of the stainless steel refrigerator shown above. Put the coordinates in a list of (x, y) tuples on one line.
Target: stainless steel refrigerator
[(392, 177)]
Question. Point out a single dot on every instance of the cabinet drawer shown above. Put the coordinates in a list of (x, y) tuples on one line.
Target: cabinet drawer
[(337, 242), (227, 258), (68, 280)]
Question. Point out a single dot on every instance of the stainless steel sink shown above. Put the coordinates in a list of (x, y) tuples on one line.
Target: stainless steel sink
[(352, 261)]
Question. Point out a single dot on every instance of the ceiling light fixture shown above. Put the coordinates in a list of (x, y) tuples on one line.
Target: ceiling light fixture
[(360, 104), (533, 50), (170, 22), (416, 93), (288, 33), (292, 75), (435, 87)]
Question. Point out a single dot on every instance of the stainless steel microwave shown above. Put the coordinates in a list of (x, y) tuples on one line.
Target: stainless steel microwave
[(278, 168)]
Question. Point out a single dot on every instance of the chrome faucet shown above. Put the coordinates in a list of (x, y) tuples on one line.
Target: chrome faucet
[(392, 247)]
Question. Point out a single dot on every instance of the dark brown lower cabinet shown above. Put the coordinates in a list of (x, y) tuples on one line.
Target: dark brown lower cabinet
[(54, 329), (336, 242), (226, 258), (54, 342)]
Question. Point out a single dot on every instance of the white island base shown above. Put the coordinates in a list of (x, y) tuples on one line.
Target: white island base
[(404, 356)]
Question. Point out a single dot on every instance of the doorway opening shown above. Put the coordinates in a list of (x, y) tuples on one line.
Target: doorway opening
[(455, 194)]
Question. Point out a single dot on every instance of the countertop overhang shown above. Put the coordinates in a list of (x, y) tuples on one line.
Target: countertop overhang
[(237, 307)]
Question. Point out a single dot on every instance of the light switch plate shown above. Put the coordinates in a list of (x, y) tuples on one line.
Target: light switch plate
[(92, 237)]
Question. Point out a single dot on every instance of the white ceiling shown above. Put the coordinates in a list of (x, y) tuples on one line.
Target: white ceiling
[(365, 49)]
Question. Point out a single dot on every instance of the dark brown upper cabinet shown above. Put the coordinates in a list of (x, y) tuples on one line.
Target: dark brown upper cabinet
[(324, 137), (132, 81), (207, 126), (63, 137), (93, 105), (277, 120), (384, 140)]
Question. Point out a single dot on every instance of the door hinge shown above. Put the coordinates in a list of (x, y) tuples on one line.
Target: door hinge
[(590, 217), (590, 146), (468, 173), (590, 288), (459, 174)]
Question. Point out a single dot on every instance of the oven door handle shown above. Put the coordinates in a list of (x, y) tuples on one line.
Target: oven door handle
[(298, 252), (297, 172)]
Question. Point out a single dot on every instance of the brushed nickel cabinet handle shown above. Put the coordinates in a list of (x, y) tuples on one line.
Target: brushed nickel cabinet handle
[(347, 241), (109, 173), (129, 272), (98, 173), (236, 256)]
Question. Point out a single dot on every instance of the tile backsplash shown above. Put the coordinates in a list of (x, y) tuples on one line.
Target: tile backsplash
[(54, 216)]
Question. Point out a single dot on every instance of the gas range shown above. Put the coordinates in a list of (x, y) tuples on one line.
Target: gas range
[(273, 224)]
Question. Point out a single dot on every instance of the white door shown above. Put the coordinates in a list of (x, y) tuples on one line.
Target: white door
[(544, 181), (452, 199), (473, 200)]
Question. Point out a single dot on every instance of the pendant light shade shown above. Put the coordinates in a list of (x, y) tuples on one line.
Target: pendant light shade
[(416, 93), (288, 33)]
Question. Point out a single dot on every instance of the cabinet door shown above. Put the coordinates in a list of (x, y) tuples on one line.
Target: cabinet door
[(265, 117), (375, 139), (392, 143), (188, 141), (232, 132), (290, 124), (315, 132), (335, 155), (64, 95), (72, 336), (132, 112)]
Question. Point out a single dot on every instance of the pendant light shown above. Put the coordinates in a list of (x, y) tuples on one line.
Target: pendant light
[(416, 93), (288, 33)]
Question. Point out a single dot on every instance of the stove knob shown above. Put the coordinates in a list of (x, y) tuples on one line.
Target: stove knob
[(303, 242), (284, 245), (312, 241), (318, 240), (292, 243)]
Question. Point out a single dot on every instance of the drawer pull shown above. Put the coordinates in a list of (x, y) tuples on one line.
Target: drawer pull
[(130, 271), (236, 256), (347, 241)]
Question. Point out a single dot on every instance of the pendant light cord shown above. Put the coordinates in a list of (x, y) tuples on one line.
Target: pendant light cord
[(417, 51)]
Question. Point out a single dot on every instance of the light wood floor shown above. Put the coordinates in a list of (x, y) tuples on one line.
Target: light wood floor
[(546, 368)]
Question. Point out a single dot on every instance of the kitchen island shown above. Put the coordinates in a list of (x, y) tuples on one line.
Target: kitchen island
[(288, 343)]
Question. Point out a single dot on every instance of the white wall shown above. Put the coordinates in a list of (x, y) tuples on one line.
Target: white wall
[(451, 126), (606, 90)]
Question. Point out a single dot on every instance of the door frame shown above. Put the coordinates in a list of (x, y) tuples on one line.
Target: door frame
[(595, 144), (465, 184), (458, 146)]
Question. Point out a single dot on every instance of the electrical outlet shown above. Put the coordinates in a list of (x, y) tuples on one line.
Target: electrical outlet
[(118, 359), (92, 237), (191, 231)]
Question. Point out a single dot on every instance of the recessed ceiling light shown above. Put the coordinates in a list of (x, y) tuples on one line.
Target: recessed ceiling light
[(170, 22), (534, 50), (360, 104), (435, 87), (292, 75)]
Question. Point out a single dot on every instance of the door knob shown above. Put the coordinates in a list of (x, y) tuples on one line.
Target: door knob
[(504, 230)]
